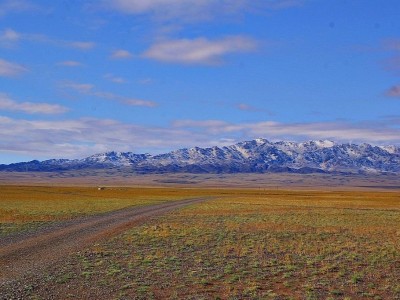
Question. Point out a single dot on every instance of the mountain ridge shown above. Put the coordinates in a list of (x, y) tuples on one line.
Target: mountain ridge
[(254, 156)]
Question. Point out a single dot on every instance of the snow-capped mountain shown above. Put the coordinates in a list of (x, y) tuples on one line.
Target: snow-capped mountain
[(258, 155)]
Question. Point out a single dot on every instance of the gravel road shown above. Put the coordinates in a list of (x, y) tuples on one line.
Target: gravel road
[(27, 254)]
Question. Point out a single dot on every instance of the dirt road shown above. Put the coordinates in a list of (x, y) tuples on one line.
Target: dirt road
[(28, 254)]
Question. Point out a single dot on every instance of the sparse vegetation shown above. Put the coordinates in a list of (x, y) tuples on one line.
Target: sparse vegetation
[(28, 207), (248, 244)]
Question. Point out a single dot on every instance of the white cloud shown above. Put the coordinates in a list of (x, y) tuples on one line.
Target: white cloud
[(392, 64), (250, 108), (69, 63), (200, 50), (392, 44), (114, 78), (7, 103), (77, 138), (192, 10), (81, 45), (15, 6), (170, 8), (139, 102), (121, 54), (9, 69), (394, 91), (79, 87), (9, 37), (246, 107), (89, 89), (372, 132)]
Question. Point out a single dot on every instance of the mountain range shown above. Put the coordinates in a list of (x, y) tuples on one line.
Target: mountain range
[(255, 156)]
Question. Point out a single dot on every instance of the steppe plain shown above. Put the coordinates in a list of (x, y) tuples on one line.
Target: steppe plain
[(243, 236)]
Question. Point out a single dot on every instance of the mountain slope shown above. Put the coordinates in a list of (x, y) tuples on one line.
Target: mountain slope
[(258, 155)]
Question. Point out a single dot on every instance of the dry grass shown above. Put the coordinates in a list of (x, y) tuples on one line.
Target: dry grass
[(271, 181), (249, 244), (26, 207)]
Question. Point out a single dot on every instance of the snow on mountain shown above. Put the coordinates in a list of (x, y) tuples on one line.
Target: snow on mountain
[(116, 158), (391, 149), (259, 155)]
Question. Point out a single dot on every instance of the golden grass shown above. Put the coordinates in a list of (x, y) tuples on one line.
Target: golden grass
[(28, 207), (21, 204), (41, 203), (252, 244), (243, 244)]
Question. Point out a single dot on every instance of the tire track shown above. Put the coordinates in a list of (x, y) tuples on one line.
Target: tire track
[(30, 254)]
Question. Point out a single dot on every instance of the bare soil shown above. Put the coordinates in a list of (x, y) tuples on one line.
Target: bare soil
[(278, 181), (27, 255)]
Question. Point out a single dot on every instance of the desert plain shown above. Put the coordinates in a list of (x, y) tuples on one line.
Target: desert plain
[(107, 235)]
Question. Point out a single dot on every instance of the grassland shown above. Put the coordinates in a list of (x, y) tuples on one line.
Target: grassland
[(29, 207), (245, 244), (126, 178)]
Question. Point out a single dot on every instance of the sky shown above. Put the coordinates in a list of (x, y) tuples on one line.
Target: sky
[(85, 77)]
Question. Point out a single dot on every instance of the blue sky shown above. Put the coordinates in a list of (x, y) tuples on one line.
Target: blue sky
[(82, 77)]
